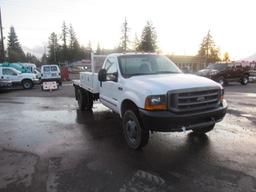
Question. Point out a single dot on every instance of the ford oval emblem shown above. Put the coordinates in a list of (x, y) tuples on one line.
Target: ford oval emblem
[(200, 99)]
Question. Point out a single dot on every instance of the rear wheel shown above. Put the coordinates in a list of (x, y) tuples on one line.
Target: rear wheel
[(204, 129), (84, 99), (245, 80), (27, 84), (135, 135)]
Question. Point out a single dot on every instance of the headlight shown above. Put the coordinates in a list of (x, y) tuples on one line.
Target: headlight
[(213, 72), (156, 102), (221, 95)]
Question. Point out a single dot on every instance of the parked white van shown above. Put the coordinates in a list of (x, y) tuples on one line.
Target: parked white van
[(50, 73)]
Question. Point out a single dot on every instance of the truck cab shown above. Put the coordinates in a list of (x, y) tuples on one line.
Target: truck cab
[(150, 93)]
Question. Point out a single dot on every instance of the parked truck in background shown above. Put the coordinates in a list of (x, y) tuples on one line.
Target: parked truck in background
[(150, 93), (224, 73), (10, 74)]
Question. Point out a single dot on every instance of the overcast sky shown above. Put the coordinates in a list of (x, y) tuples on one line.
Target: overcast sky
[(180, 24)]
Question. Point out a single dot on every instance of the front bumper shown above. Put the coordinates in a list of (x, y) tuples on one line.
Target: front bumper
[(58, 80), (36, 81), (167, 121), (5, 84)]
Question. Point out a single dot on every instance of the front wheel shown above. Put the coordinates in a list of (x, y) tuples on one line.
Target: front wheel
[(27, 84), (204, 130), (135, 135), (245, 80)]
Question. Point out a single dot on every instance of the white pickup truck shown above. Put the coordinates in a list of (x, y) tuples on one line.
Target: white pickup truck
[(150, 93), (27, 80)]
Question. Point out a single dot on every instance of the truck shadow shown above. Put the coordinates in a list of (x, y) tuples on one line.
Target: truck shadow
[(164, 155), (103, 125), (106, 125)]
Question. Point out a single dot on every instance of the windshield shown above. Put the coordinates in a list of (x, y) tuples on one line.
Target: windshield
[(131, 65), (46, 68), (217, 66)]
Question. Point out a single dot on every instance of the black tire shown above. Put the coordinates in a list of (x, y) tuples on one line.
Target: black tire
[(27, 84), (135, 135), (84, 99), (245, 80), (80, 99), (203, 130), (89, 102), (222, 81)]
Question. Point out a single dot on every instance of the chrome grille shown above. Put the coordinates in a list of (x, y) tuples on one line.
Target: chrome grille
[(194, 99)]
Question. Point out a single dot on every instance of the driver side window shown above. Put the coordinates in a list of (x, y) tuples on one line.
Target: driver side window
[(111, 70)]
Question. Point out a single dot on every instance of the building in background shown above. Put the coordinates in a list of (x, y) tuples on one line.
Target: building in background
[(188, 63)]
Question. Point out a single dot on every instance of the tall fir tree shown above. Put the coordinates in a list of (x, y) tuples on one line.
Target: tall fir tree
[(148, 41), (15, 52), (76, 52), (98, 50), (44, 59), (64, 34), (136, 43), (53, 49), (30, 58), (208, 49), (64, 53), (124, 44)]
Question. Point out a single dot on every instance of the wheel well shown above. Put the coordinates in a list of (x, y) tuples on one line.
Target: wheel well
[(26, 80), (128, 104)]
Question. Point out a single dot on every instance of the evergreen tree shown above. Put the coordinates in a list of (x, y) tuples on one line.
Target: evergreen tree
[(148, 42), (226, 57), (136, 43), (44, 59), (15, 52), (64, 35), (76, 52), (30, 58), (208, 49), (64, 53), (54, 49), (123, 47), (98, 51)]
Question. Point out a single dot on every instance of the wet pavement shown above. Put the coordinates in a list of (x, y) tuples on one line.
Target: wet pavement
[(46, 144)]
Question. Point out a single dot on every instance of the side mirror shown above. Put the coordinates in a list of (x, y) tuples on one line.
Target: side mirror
[(102, 75)]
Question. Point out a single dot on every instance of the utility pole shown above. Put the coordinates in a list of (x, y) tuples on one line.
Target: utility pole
[(2, 39)]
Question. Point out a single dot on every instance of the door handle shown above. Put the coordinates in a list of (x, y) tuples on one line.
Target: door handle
[(120, 88)]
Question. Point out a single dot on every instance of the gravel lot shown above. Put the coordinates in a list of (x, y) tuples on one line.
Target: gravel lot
[(46, 144)]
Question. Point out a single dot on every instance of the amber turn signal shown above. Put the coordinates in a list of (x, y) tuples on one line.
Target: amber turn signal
[(157, 102)]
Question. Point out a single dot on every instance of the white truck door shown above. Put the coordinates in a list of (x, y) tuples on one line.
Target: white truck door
[(108, 89), (9, 74)]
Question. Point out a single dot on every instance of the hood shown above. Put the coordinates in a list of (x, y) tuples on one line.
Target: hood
[(31, 75), (160, 84)]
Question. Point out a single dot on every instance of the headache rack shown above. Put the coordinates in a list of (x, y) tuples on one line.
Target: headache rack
[(195, 99)]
